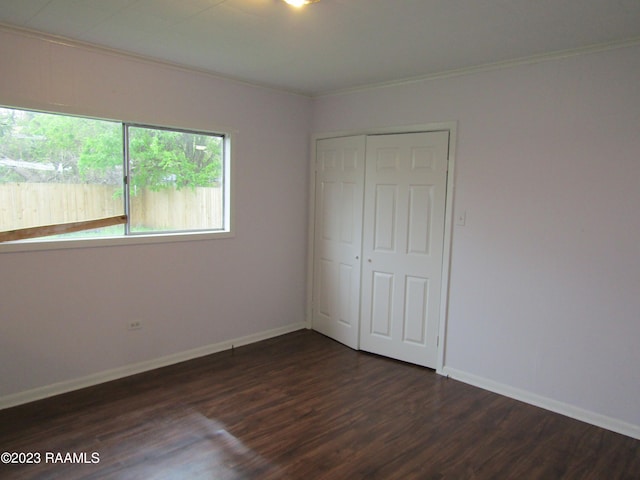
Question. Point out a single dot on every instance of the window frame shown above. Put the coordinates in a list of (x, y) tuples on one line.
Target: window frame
[(228, 137)]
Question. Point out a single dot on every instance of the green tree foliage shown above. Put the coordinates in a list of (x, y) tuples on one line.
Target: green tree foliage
[(101, 157), (40, 147), (163, 158), (8, 148), (7, 120)]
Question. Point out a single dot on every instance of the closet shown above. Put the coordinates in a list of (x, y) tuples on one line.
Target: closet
[(378, 237)]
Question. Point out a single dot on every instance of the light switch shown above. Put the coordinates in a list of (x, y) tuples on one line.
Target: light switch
[(461, 218)]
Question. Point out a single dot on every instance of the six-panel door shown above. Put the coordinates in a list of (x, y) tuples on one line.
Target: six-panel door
[(338, 237), (403, 234)]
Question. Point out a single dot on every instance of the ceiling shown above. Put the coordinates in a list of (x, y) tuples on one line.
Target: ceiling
[(333, 45)]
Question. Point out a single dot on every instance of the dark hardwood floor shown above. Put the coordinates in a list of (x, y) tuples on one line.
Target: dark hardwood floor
[(302, 406)]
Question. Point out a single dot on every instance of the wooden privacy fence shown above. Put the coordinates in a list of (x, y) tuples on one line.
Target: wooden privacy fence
[(24, 205), (184, 209)]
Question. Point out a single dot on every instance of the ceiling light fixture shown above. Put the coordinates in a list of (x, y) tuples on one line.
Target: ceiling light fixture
[(300, 3)]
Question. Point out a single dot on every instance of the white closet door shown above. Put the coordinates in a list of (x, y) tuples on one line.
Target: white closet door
[(403, 233), (338, 237)]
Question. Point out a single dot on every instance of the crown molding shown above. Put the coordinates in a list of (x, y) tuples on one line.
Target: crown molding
[(488, 67)]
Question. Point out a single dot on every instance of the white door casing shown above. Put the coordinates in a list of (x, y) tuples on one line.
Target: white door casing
[(403, 234), (338, 237)]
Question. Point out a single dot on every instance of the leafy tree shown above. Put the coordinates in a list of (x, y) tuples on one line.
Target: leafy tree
[(162, 158), (101, 157), (17, 144), (40, 147), (60, 148), (7, 120)]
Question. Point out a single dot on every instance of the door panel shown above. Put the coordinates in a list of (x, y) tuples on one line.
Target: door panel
[(403, 234), (382, 302), (415, 306), (384, 217), (419, 220), (338, 238)]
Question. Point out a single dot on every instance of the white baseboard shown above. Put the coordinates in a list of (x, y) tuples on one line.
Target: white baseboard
[(120, 372), (562, 408)]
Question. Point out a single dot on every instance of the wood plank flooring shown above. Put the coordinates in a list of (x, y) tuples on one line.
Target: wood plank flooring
[(302, 406)]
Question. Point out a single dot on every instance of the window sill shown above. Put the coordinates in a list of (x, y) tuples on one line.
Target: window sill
[(57, 244)]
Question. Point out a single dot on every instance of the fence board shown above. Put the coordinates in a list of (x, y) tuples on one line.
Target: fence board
[(24, 205), (60, 228), (185, 209)]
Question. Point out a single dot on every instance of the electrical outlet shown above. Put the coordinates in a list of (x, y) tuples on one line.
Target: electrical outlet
[(134, 325)]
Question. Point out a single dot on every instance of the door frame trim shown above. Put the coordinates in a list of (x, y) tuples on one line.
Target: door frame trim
[(452, 128)]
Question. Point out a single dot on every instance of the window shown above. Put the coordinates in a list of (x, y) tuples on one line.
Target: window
[(58, 169)]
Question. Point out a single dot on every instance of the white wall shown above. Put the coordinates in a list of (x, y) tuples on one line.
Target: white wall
[(545, 278), (63, 313)]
